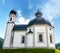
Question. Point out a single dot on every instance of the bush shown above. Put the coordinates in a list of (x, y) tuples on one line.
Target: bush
[(1, 44), (29, 50)]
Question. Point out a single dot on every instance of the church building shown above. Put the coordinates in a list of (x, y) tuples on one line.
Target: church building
[(38, 33)]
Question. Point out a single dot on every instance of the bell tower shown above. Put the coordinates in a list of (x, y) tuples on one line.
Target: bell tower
[(12, 16), (8, 33)]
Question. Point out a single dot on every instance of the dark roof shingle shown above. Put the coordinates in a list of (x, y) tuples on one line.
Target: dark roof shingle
[(19, 27), (39, 21)]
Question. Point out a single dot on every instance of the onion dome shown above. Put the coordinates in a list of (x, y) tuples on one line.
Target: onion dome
[(39, 19), (13, 12)]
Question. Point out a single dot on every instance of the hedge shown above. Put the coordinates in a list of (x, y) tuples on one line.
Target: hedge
[(29, 50)]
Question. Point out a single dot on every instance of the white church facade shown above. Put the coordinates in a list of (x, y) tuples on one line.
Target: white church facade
[(39, 33)]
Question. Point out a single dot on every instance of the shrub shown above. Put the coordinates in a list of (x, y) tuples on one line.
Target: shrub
[(29, 50)]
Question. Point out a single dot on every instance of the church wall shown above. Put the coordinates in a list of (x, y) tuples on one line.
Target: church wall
[(40, 30), (51, 32), (29, 37), (29, 40), (13, 18), (18, 39), (6, 43)]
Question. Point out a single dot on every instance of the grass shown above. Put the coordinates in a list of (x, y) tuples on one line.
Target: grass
[(29, 50), (57, 51)]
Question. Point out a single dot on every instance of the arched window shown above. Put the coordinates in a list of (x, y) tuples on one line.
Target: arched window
[(23, 39), (10, 19), (40, 38), (50, 39)]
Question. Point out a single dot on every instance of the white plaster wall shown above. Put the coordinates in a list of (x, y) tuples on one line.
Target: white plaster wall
[(51, 32), (29, 40), (17, 42), (7, 39), (40, 29)]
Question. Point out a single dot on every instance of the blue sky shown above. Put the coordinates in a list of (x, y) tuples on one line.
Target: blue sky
[(25, 12)]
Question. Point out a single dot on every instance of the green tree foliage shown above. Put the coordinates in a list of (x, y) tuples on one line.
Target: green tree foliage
[(1, 42)]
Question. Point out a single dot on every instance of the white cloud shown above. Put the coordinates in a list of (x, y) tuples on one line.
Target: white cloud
[(21, 19), (51, 9), (19, 12), (30, 5)]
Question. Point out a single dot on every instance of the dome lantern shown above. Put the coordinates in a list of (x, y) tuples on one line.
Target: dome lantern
[(13, 12), (38, 13)]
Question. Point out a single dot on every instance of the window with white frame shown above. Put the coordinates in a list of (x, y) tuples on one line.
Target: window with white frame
[(40, 38), (23, 39), (51, 39), (10, 19)]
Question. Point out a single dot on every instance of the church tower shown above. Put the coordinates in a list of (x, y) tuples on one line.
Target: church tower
[(8, 33)]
